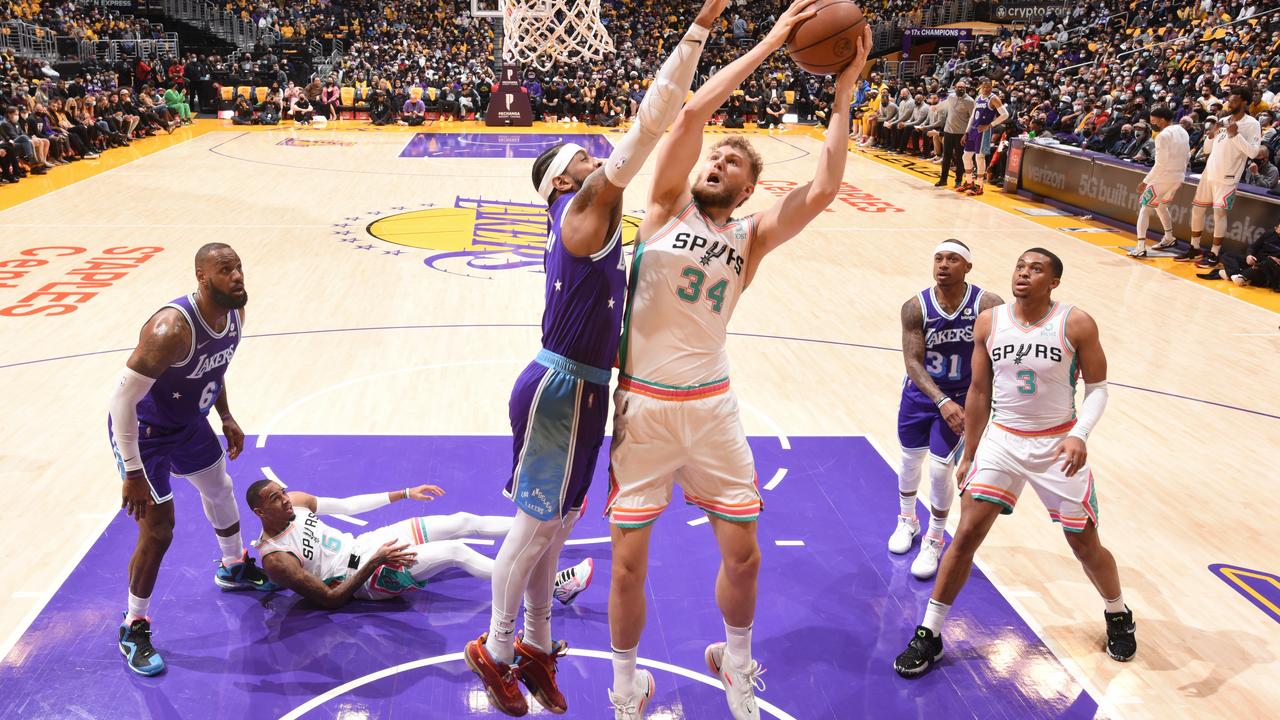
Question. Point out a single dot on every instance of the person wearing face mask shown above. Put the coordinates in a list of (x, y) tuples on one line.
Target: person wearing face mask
[(957, 108)]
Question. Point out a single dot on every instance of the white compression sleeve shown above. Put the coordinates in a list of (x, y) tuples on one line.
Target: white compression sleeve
[(353, 505), (658, 110), (131, 388), (1095, 401), (1001, 115)]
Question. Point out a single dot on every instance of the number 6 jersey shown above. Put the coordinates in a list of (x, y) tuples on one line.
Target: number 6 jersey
[(186, 390), (1034, 372), (685, 283)]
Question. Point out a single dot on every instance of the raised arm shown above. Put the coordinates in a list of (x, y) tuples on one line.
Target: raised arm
[(164, 340), (977, 404), (357, 504), (670, 189), (595, 212), (793, 211)]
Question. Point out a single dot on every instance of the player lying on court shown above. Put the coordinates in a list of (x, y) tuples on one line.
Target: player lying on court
[(1025, 359), (330, 567), (560, 402), (675, 418)]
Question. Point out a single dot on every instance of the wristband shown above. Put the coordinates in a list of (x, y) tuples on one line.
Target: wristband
[(943, 401), (406, 493)]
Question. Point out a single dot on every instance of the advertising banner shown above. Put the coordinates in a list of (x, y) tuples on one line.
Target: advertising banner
[(1109, 188), (509, 103)]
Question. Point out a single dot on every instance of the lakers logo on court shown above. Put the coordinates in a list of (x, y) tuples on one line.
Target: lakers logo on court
[(473, 237)]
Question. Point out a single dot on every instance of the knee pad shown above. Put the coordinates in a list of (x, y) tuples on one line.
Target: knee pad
[(942, 488), (217, 494), (909, 475)]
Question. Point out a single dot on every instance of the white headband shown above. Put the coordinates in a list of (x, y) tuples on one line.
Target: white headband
[(561, 161), (954, 247)]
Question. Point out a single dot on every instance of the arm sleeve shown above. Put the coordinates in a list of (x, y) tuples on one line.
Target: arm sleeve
[(131, 388), (1095, 401), (658, 109), (353, 505), (1248, 145)]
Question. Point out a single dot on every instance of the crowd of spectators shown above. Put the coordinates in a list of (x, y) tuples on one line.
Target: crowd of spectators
[(50, 121), (1089, 78)]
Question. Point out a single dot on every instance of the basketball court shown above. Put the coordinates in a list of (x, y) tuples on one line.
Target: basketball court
[(395, 295)]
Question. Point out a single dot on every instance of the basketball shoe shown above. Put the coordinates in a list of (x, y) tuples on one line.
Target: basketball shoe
[(922, 653), (571, 582), (925, 565), (632, 708), (537, 670), (1189, 255), (1166, 242), (1122, 642), (739, 685), (244, 575), (974, 190), (907, 530), (965, 187), (499, 680), (135, 645)]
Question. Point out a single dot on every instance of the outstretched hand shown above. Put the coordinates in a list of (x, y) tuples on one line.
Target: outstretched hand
[(425, 492), (799, 11), (394, 554), (711, 9)]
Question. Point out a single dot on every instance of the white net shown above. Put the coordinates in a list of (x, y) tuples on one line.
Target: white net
[(543, 32)]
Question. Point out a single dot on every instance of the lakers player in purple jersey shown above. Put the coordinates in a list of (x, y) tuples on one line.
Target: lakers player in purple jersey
[(937, 347), (560, 402), (988, 112), (158, 428)]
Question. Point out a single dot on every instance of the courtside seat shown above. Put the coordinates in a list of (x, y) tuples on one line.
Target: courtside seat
[(244, 92), (260, 95)]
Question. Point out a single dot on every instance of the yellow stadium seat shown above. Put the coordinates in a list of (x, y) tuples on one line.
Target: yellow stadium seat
[(227, 93), (789, 96), (243, 91), (260, 94)]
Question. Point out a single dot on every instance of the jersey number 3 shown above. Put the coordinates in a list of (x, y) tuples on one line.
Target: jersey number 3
[(692, 292), (1028, 378)]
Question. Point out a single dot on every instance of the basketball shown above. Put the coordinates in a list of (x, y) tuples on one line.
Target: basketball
[(826, 42)]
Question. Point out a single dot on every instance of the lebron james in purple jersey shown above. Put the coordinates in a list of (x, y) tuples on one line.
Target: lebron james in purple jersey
[(937, 348), (158, 427), (560, 402)]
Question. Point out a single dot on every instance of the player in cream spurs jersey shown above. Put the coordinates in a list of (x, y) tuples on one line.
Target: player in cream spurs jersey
[(675, 419), (1025, 360), (1162, 182)]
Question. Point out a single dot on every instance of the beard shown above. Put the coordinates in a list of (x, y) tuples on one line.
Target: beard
[(226, 300), (712, 197)]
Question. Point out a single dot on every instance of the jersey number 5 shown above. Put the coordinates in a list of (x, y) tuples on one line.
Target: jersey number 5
[(693, 291)]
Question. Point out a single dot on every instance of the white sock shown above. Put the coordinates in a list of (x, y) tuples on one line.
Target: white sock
[(138, 607), (537, 627), (232, 549), (738, 645), (909, 479), (937, 528), (1217, 246), (906, 505), (934, 615), (624, 672), (1113, 606), (1144, 218), (521, 551)]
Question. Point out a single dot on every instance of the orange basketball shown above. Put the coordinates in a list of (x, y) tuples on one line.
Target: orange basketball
[(826, 42)]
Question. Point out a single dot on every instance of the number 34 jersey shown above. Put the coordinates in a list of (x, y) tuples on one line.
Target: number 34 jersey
[(1034, 372), (948, 340), (685, 282)]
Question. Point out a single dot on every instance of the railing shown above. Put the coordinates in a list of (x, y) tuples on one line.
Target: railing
[(110, 51), (27, 40), (244, 34), (887, 34)]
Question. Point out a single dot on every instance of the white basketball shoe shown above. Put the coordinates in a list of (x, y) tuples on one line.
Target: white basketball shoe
[(907, 530), (632, 708), (925, 565), (739, 685)]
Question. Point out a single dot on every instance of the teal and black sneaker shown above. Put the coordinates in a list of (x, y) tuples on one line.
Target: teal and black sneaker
[(135, 645), (244, 575)]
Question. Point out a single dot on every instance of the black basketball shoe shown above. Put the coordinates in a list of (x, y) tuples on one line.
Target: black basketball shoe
[(924, 650), (135, 644), (1122, 644)]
